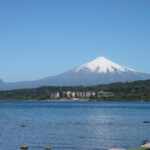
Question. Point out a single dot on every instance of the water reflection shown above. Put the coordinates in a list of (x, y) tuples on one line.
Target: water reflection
[(73, 126)]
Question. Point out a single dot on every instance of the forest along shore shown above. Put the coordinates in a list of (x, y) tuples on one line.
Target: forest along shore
[(137, 90)]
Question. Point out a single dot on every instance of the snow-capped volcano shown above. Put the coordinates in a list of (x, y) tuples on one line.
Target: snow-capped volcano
[(97, 71), (102, 65)]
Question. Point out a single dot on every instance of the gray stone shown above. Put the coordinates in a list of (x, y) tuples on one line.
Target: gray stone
[(48, 147), (24, 147)]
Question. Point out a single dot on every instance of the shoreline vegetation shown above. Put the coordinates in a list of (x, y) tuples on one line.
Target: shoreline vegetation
[(137, 90)]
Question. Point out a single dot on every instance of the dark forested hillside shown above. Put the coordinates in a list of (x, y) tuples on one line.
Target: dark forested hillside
[(119, 91)]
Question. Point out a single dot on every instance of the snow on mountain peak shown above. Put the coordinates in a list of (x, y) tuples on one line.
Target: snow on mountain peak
[(102, 65)]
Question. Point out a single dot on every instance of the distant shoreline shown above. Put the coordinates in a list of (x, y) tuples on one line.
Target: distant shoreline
[(75, 101), (130, 91)]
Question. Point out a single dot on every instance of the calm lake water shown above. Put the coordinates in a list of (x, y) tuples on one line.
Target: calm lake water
[(73, 125)]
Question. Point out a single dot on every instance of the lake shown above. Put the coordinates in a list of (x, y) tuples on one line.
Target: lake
[(73, 125)]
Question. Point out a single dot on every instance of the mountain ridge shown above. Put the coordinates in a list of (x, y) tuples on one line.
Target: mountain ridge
[(98, 71)]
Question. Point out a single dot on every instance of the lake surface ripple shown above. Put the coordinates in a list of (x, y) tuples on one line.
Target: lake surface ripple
[(73, 125)]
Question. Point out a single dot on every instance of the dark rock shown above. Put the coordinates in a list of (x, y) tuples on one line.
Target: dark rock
[(23, 125), (146, 122), (24, 147)]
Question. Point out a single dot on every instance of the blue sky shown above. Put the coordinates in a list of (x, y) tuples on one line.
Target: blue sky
[(39, 38)]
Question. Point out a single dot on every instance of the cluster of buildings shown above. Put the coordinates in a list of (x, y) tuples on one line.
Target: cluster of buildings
[(80, 94)]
